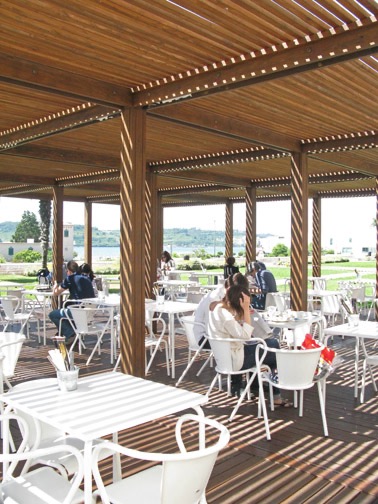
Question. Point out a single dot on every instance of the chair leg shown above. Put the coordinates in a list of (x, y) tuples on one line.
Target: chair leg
[(212, 385), (205, 364), (322, 408), (190, 362), (362, 395)]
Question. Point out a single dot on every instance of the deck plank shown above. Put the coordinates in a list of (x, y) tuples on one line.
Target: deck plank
[(299, 465)]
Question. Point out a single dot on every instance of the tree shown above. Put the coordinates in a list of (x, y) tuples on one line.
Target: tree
[(45, 216), (280, 250), (27, 228)]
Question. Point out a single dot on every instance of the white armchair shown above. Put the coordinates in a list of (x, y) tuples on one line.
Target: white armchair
[(40, 486), (180, 477)]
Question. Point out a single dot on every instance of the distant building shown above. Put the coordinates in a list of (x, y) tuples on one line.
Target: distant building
[(9, 249)]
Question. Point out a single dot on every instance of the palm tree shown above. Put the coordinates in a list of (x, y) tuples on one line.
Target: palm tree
[(45, 216)]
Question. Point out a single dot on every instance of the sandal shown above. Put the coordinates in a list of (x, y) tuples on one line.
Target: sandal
[(284, 403)]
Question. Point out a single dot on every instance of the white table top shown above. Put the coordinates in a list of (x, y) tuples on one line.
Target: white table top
[(176, 282), (364, 329), (291, 323), (10, 284), (102, 404), (171, 307), (111, 300)]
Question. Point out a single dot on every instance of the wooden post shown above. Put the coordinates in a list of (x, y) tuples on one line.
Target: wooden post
[(250, 231), (132, 240), (229, 229), (376, 252), (316, 237), (57, 238), (88, 232), (299, 231), (152, 254)]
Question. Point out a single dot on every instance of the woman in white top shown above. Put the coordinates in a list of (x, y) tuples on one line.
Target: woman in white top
[(231, 318)]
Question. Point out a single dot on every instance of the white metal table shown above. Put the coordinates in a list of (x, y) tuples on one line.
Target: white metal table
[(103, 404), (293, 323), (364, 329), (171, 308), (41, 298)]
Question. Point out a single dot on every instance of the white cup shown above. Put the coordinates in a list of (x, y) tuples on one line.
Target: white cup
[(354, 319), (160, 299)]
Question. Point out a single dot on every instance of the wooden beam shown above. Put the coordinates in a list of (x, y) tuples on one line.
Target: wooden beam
[(193, 190), (25, 73), (367, 140), (228, 127), (64, 156), (82, 116), (210, 178), (348, 163), (31, 179), (344, 45), (210, 161)]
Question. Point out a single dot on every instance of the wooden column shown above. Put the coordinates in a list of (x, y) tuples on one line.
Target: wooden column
[(88, 232), (316, 237), (57, 238), (159, 216), (299, 231), (229, 242), (152, 253), (376, 253), (250, 224), (132, 260)]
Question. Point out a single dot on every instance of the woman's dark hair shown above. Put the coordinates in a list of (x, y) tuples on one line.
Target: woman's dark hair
[(85, 269), (233, 297), (166, 256), (238, 279), (230, 261)]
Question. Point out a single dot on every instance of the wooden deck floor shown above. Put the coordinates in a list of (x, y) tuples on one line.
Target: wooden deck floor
[(299, 465)]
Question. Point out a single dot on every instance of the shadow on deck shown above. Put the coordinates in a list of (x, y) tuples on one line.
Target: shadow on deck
[(299, 465)]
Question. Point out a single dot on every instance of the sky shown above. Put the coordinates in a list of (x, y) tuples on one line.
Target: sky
[(342, 218)]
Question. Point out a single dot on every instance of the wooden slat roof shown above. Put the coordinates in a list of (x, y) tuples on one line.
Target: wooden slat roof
[(231, 89)]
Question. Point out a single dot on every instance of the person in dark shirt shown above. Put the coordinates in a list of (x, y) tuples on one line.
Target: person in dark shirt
[(229, 269), (265, 282), (80, 287)]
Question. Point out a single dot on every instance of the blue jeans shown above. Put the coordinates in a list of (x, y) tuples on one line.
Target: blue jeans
[(56, 316), (250, 360)]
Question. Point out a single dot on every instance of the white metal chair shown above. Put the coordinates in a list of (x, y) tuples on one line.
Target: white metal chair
[(188, 323), (369, 361), (221, 348), (180, 477), (153, 342), (42, 485), (84, 322), (295, 371), (10, 348), (11, 306)]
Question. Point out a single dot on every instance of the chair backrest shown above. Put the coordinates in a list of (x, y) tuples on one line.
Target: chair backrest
[(222, 353), (296, 368), (330, 304), (10, 305), (82, 316), (19, 490), (10, 348), (185, 474), (358, 293), (189, 323), (194, 297)]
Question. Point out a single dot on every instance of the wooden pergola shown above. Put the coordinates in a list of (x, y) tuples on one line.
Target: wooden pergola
[(155, 104)]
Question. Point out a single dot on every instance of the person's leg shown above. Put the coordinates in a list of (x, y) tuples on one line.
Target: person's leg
[(66, 328)]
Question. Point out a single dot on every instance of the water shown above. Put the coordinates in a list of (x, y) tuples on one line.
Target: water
[(113, 252)]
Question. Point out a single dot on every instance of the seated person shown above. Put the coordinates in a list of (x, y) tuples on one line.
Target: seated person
[(80, 287), (265, 282), (231, 318), (229, 268)]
